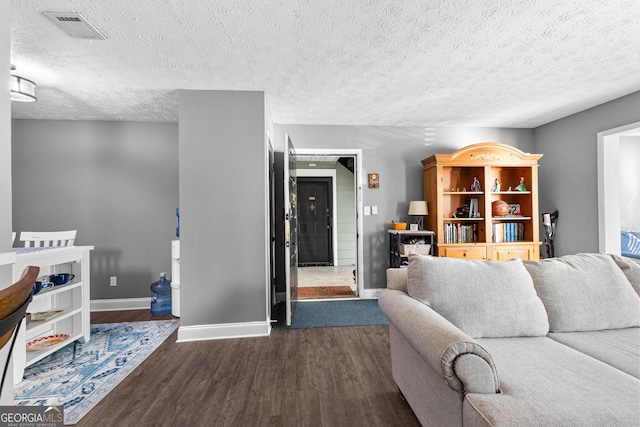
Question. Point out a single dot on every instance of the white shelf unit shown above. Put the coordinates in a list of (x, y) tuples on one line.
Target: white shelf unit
[(72, 298)]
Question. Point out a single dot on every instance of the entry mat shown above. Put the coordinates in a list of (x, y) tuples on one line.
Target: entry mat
[(327, 314)]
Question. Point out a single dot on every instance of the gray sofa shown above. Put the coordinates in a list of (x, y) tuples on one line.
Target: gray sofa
[(554, 342)]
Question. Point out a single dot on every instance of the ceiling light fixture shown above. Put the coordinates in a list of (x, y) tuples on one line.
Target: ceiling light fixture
[(22, 90)]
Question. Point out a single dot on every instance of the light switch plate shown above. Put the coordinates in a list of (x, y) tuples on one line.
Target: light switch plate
[(367, 210), (374, 210)]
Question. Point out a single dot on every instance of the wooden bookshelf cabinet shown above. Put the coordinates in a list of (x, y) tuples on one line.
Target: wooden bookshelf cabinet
[(448, 180)]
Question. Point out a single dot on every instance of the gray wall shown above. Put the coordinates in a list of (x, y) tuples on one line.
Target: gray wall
[(394, 153), (223, 173), (115, 182), (5, 141), (568, 170)]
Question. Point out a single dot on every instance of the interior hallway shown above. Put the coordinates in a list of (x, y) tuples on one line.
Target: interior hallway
[(327, 282)]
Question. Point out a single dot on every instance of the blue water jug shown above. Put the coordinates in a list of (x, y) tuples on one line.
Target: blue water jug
[(178, 227), (161, 296)]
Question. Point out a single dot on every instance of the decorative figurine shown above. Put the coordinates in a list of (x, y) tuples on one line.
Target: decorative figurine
[(521, 186), (496, 186), (475, 186)]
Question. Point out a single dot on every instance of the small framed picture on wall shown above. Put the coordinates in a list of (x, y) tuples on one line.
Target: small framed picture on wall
[(374, 180)]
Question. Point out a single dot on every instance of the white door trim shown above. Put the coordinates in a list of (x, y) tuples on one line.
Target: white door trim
[(357, 153), (609, 187)]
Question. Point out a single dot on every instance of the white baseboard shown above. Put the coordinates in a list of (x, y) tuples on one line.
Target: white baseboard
[(120, 304), (223, 331), (368, 294), (188, 333), (371, 293), (145, 303)]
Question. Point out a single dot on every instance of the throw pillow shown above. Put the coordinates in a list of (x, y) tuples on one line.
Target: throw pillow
[(631, 268), (484, 299), (585, 292)]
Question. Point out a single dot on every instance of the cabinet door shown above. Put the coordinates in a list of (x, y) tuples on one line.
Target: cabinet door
[(468, 252), (503, 253)]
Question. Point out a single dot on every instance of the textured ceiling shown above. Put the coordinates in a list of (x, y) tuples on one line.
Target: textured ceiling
[(357, 62)]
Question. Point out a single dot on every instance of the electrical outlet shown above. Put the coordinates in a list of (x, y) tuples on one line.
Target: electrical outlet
[(113, 281)]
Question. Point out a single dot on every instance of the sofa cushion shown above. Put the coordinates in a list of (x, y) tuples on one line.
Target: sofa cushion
[(585, 292), (482, 298), (631, 268), (545, 383), (619, 348)]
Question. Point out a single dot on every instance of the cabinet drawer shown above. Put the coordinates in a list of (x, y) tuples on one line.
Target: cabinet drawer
[(503, 253), (468, 252)]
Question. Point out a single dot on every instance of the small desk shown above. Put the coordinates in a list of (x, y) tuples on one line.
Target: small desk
[(395, 240)]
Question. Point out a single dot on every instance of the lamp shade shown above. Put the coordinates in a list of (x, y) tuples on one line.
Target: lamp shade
[(22, 90), (418, 207)]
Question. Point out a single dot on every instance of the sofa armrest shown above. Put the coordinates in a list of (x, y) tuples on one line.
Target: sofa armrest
[(461, 361)]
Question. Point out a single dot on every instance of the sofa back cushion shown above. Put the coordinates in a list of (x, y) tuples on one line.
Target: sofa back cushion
[(585, 292), (631, 268), (484, 299)]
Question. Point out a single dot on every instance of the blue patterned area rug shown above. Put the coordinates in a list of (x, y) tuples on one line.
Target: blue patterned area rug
[(330, 314), (79, 375)]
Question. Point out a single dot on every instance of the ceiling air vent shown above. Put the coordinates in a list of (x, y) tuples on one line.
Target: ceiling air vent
[(76, 25)]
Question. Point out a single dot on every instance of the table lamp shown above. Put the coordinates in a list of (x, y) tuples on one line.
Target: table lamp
[(418, 208)]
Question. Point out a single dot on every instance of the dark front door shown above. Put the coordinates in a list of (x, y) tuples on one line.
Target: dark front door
[(315, 221)]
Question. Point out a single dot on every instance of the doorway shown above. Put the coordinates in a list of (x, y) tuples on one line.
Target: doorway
[(330, 272), (609, 186)]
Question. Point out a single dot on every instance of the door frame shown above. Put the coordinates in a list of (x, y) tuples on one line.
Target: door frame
[(271, 225), (328, 173), (356, 153), (608, 146)]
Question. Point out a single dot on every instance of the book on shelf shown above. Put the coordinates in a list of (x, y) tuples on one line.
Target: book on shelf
[(44, 315), (507, 232), (458, 233), (473, 208)]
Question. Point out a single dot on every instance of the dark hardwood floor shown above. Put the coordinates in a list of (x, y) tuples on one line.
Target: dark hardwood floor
[(295, 377)]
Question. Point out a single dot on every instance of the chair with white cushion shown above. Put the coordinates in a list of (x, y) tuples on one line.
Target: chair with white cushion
[(38, 239), (14, 301)]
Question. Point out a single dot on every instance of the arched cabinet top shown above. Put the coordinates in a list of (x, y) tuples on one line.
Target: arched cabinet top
[(484, 153)]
